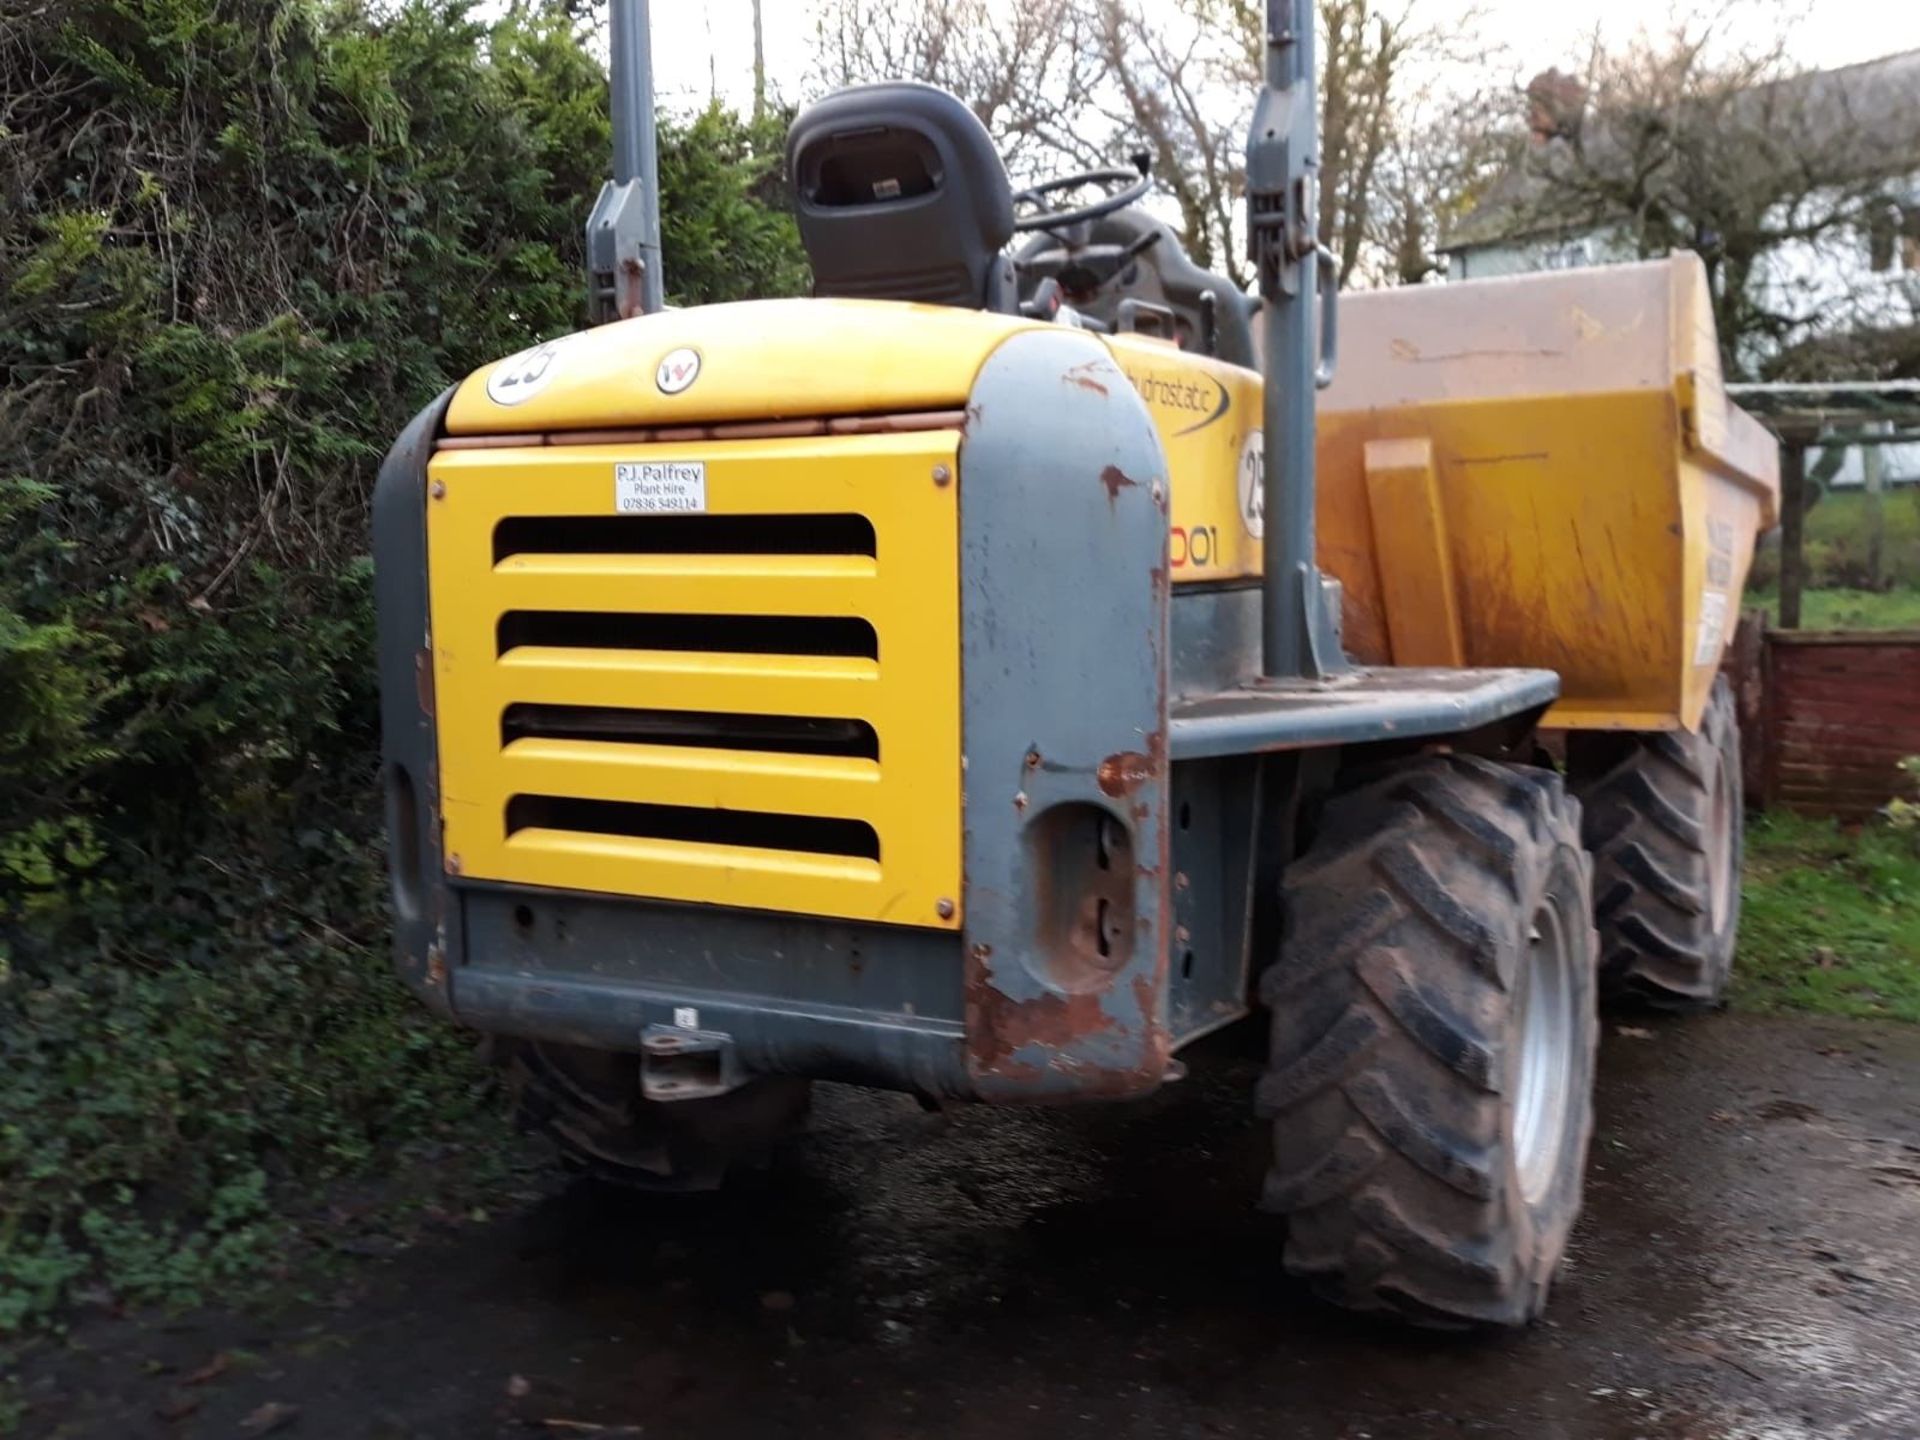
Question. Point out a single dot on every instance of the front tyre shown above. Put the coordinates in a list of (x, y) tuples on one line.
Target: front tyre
[(1433, 1036)]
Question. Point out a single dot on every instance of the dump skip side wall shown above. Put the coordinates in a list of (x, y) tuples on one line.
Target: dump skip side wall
[(1545, 471)]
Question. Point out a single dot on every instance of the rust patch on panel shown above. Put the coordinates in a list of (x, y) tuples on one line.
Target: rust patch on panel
[(1122, 774), (1116, 480), (1159, 1046), (1143, 995), (903, 423), (1078, 376), (423, 679), (998, 1026)]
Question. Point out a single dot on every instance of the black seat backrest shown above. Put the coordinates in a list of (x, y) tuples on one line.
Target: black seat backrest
[(900, 195)]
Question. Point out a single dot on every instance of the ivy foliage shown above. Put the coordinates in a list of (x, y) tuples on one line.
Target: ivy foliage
[(241, 243)]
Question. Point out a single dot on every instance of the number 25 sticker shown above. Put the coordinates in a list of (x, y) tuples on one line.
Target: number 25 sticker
[(518, 378), (1252, 482)]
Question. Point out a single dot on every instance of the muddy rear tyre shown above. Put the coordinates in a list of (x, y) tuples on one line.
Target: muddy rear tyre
[(1433, 1033), (588, 1102), (1664, 820)]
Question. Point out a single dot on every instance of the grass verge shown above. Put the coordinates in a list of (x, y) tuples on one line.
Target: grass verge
[(1832, 920)]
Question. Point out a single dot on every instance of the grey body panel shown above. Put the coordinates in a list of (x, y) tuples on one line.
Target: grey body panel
[(1216, 638), (1356, 708), (426, 928), (868, 1004), (1063, 585), (1217, 805)]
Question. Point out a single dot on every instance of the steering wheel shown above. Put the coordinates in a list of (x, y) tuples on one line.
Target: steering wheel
[(1123, 188)]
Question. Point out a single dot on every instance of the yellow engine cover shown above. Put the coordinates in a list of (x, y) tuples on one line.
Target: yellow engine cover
[(756, 704)]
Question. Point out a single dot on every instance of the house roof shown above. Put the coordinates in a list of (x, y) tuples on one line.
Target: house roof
[(1831, 110)]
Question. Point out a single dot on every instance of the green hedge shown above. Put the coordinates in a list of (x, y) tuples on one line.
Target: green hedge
[(241, 242)]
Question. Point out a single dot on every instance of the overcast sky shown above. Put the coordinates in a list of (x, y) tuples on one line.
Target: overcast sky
[(701, 44)]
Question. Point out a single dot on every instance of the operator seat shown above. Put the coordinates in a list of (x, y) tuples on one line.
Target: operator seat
[(900, 195), (1212, 316)]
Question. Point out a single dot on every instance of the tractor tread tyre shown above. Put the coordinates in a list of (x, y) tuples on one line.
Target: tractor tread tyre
[(588, 1103), (1658, 839), (1394, 1054)]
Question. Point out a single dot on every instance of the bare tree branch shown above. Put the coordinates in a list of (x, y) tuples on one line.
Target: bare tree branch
[(1774, 176), (1070, 84)]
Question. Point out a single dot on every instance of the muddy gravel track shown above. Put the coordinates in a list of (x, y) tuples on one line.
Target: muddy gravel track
[(1748, 1266)]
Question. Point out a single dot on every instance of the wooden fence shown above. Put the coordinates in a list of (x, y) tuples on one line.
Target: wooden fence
[(1826, 717)]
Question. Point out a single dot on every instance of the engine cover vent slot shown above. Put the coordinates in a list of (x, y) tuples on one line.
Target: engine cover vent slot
[(685, 824), (823, 534), (707, 730), (714, 634)]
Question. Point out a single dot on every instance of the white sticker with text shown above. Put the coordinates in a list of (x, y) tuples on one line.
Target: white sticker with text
[(660, 487), (1713, 623)]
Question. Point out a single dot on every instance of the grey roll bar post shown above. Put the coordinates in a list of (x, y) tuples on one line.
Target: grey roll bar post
[(1299, 638), (623, 232)]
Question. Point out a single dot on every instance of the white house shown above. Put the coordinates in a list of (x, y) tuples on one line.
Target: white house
[(1860, 125)]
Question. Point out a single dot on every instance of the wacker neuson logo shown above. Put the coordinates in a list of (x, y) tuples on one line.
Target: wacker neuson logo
[(677, 370)]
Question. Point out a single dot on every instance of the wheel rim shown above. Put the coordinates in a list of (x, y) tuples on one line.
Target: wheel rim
[(1545, 1085), (1720, 879)]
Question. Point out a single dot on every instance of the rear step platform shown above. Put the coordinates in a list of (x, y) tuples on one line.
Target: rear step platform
[(1362, 705)]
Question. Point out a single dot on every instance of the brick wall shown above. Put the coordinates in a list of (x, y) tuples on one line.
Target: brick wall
[(1826, 716)]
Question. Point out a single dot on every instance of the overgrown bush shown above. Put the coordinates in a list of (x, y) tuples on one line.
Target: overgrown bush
[(241, 242)]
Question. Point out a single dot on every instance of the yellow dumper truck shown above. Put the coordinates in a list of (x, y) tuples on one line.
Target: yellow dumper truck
[(979, 680)]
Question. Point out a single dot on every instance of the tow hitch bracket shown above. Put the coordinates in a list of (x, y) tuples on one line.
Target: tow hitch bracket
[(681, 1064)]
